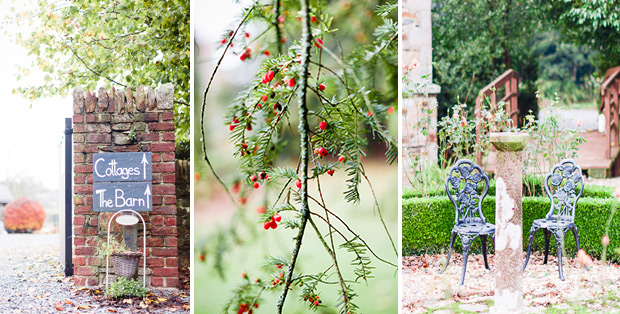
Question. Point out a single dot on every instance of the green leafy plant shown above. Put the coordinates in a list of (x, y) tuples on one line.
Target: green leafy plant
[(123, 287), (457, 132), (115, 246), (549, 139)]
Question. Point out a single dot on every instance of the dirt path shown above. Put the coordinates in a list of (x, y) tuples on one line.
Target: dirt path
[(583, 291), (32, 281)]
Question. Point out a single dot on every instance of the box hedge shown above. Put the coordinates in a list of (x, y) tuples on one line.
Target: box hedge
[(589, 191), (427, 222)]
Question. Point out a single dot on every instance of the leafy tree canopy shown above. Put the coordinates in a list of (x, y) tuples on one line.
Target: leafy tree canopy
[(594, 23), (117, 43), (474, 42)]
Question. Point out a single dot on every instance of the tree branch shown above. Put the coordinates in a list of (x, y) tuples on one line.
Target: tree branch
[(306, 40)]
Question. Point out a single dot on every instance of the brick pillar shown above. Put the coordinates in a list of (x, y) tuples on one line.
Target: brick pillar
[(125, 121), (509, 221)]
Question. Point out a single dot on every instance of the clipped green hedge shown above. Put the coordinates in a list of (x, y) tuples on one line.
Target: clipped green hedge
[(591, 191), (427, 222)]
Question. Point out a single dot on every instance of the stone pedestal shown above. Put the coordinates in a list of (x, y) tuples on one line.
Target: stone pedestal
[(509, 221)]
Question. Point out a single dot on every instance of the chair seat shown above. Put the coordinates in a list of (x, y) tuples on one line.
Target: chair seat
[(554, 223), (474, 228)]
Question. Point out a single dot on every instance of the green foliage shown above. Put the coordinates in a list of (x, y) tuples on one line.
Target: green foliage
[(124, 287), (549, 138), (565, 68), (589, 190), (594, 23), (115, 246), (475, 42), (118, 43), (344, 94), (427, 223), (457, 135)]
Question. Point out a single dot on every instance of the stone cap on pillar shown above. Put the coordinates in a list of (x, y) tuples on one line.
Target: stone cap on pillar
[(509, 141)]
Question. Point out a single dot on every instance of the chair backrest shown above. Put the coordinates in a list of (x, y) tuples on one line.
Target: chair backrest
[(462, 187), (564, 186)]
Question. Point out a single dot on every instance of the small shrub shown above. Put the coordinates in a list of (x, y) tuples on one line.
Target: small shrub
[(123, 287), (23, 215)]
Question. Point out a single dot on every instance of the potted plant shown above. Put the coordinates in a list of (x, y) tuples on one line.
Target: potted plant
[(124, 261)]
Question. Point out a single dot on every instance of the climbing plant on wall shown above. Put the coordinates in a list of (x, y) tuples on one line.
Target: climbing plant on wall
[(340, 98)]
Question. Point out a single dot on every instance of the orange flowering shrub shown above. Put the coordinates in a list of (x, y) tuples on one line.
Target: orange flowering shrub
[(23, 215)]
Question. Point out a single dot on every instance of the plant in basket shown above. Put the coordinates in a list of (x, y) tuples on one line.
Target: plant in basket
[(124, 261)]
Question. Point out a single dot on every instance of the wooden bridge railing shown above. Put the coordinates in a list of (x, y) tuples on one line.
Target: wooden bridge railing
[(609, 107), (509, 80)]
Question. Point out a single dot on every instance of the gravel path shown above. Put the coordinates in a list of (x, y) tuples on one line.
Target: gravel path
[(32, 281)]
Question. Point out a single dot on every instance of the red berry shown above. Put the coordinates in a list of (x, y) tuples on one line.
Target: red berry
[(267, 225), (369, 113), (323, 152), (322, 87), (231, 127), (247, 35), (273, 224), (316, 151), (283, 40), (313, 19), (256, 185), (298, 184), (265, 98), (253, 178), (291, 82), (277, 218), (341, 159), (259, 106), (255, 305), (390, 110), (262, 175), (318, 42), (316, 303), (281, 19), (249, 128), (330, 172), (202, 257), (267, 53), (223, 42), (230, 33), (323, 125)]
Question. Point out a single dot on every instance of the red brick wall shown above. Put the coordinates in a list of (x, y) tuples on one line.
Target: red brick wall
[(125, 121)]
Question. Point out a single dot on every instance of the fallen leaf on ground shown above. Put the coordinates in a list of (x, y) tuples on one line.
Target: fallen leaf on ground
[(59, 306)]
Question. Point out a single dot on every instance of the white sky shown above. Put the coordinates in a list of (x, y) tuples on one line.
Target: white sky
[(29, 136)]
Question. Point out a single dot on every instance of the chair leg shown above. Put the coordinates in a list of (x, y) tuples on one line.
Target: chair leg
[(452, 238), (466, 240), (547, 236), (573, 228), (559, 238), (533, 231), (484, 250)]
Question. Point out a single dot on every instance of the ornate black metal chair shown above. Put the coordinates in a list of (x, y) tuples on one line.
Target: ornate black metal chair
[(469, 223), (565, 178)]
